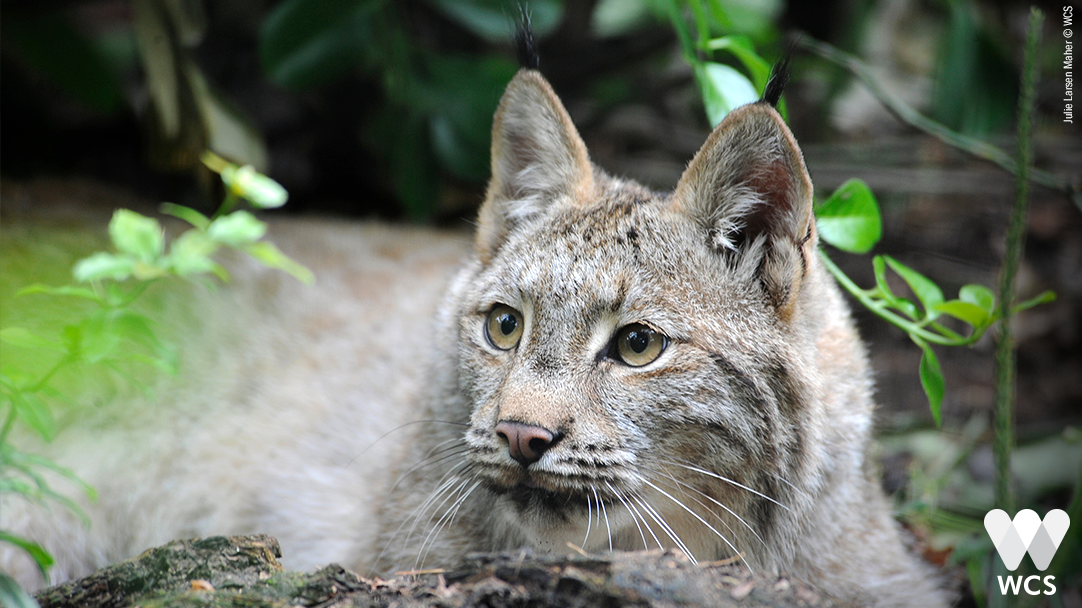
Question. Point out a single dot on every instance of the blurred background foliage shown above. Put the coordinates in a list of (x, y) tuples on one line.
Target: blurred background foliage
[(384, 107)]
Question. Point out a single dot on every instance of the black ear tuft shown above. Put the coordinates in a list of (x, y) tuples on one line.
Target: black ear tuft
[(779, 76), (524, 41)]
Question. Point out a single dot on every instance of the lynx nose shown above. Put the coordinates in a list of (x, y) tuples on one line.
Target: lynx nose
[(526, 442)]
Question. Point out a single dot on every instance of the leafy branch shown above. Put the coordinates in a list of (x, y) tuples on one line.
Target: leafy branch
[(112, 336), (849, 220), (723, 87)]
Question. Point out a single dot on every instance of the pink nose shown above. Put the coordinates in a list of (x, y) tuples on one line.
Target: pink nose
[(525, 442)]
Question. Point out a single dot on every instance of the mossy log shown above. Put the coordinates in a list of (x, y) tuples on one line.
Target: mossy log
[(243, 571)]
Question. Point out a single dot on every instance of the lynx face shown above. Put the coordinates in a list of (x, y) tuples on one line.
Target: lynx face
[(633, 360)]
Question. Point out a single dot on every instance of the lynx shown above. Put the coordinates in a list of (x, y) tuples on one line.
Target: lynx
[(609, 367)]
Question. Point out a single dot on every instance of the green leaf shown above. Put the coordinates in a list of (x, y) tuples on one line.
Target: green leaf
[(258, 189), (411, 163), (754, 18), (36, 414), (145, 271), (724, 89), (40, 556), (10, 485), (187, 214), (270, 256), (73, 340), (453, 152), (168, 364), (64, 290), (965, 311), (190, 253), (137, 235), (54, 52), (135, 327), (460, 96), (237, 229), (929, 294), (744, 50), (24, 338), (976, 88), (931, 379), (104, 265), (1047, 296), (493, 19), (34, 460), (849, 218), (99, 337), (611, 18), (307, 43), (879, 265), (978, 295)]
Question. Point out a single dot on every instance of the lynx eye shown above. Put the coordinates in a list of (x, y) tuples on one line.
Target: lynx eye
[(638, 345), (503, 329)]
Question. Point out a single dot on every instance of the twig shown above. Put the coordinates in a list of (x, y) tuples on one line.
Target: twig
[(913, 118)]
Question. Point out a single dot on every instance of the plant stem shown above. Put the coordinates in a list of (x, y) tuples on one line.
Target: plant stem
[(40, 384), (702, 29), (227, 205), (687, 46), (1004, 346), (879, 307), (8, 423)]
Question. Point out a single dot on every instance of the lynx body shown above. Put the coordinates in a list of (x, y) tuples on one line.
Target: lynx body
[(611, 367)]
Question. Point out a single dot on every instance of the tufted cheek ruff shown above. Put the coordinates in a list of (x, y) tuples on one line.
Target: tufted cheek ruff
[(749, 191), (538, 159)]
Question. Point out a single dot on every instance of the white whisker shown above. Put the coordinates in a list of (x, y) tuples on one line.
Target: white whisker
[(444, 521), (432, 459), (447, 490), (415, 515), (608, 528), (788, 483), (647, 524), (695, 515), (666, 528), (589, 517), (634, 516), (725, 479), (716, 502)]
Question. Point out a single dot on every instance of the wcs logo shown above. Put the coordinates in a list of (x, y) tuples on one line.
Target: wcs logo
[(1026, 534)]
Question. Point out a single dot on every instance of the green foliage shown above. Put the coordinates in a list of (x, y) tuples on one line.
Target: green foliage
[(491, 19), (976, 83), (111, 337), (724, 87), (57, 52), (11, 595), (849, 220), (437, 107)]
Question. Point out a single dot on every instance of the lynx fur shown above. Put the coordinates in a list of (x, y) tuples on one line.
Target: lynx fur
[(610, 367)]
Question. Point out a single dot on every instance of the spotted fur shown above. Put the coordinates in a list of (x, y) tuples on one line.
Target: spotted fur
[(359, 420), (748, 435)]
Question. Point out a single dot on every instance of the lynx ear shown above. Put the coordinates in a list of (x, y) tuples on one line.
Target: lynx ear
[(537, 158), (749, 190)]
